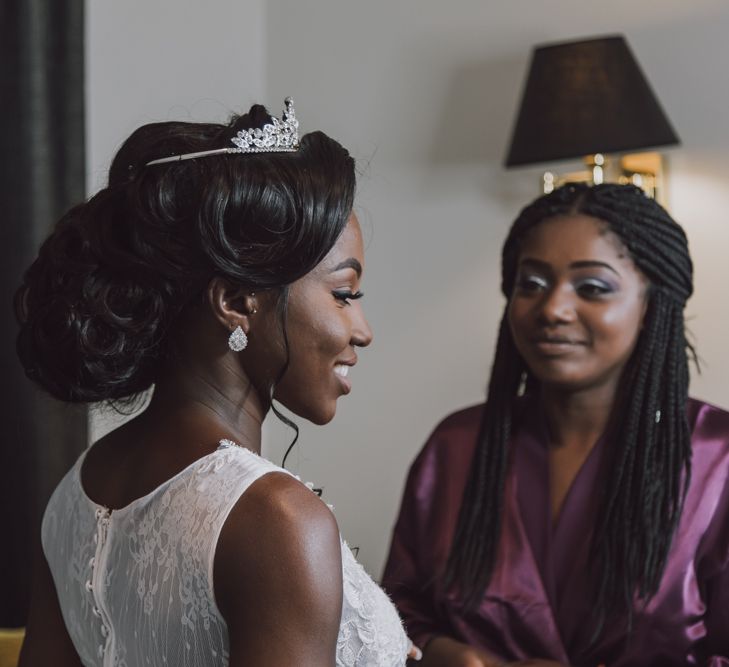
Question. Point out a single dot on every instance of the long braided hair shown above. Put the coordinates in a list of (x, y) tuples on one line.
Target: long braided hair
[(642, 498)]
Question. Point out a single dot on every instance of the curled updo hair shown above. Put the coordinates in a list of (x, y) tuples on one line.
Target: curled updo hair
[(98, 304), (640, 501)]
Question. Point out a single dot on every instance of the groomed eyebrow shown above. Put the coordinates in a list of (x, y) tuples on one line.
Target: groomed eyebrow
[(582, 264), (349, 263)]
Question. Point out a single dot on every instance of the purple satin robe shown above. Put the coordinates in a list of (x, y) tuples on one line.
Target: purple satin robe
[(537, 603)]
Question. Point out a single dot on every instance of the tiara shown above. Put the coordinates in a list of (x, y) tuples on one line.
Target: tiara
[(278, 136)]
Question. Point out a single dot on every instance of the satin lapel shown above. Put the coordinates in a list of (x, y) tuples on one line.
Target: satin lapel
[(529, 621), (570, 551)]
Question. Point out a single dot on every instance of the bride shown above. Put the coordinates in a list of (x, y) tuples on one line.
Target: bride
[(221, 264)]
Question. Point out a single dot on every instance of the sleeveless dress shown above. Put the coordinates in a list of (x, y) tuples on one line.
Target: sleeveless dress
[(135, 584)]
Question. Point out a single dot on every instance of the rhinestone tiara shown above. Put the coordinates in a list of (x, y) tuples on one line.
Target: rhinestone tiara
[(279, 136)]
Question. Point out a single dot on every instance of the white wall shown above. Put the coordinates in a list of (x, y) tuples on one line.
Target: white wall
[(157, 60), (423, 93)]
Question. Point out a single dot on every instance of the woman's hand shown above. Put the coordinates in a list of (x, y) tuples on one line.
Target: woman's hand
[(414, 653), (447, 652)]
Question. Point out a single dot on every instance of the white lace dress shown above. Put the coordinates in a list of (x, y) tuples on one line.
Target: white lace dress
[(135, 584)]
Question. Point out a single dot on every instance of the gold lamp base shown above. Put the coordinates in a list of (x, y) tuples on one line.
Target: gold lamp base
[(645, 170)]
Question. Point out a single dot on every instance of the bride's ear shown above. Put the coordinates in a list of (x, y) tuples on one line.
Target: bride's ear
[(232, 305)]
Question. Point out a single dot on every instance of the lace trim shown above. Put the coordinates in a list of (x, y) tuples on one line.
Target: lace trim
[(371, 633)]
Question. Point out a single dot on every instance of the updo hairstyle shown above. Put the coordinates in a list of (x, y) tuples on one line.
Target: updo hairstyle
[(97, 306)]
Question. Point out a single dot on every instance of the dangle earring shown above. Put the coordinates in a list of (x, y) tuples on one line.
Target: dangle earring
[(238, 341), (521, 390)]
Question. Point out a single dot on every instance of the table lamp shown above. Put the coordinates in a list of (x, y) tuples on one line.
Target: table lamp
[(587, 99)]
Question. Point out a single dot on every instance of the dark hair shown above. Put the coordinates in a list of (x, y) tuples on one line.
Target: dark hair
[(98, 303), (642, 499)]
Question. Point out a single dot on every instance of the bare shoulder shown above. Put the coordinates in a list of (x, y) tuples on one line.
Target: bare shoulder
[(284, 514), (277, 567)]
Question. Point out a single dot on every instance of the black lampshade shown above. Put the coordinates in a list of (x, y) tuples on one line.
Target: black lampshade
[(583, 98)]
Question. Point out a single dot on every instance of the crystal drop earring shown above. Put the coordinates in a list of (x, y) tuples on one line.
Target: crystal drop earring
[(238, 341)]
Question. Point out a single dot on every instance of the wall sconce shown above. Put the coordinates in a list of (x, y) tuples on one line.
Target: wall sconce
[(589, 99)]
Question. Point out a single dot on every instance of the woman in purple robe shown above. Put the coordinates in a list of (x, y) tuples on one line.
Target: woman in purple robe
[(581, 515)]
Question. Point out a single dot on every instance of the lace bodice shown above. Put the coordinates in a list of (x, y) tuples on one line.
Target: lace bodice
[(135, 584)]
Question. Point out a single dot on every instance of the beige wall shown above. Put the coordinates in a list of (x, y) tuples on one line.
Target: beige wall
[(424, 94)]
